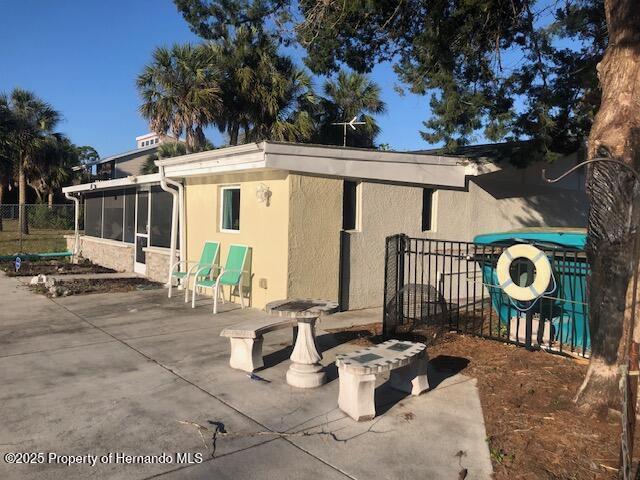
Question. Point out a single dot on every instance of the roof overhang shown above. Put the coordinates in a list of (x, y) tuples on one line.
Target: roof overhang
[(116, 183), (356, 163)]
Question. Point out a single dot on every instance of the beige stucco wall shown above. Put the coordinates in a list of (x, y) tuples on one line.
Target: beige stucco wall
[(498, 201), (296, 239), (262, 227), (512, 198), (386, 209), (108, 253), (315, 220)]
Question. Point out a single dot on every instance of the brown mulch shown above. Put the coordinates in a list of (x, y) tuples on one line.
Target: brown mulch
[(105, 285), (534, 429), (51, 267)]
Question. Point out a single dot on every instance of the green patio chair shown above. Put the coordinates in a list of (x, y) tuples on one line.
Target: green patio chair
[(209, 260), (232, 274)]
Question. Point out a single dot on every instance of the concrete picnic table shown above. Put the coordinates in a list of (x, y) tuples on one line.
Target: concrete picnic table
[(305, 370)]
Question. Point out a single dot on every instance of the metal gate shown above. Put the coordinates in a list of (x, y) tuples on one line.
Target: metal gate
[(453, 285)]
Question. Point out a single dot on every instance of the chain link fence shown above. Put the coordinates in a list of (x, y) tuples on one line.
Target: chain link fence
[(43, 228)]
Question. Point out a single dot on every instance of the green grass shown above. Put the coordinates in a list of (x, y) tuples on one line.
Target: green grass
[(38, 241)]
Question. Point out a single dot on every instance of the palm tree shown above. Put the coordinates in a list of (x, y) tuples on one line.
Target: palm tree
[(235, 58), (180, 92), (284, 109), (349, 95), (33, 121), (6, 157), (165, 150), (52, 166), (263, 93)]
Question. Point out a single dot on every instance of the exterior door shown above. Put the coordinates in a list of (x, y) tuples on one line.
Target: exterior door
[(142, 231)]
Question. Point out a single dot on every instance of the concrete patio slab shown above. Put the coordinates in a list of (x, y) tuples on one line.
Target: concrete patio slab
[(32, 323), (276, 459), (160, 362)]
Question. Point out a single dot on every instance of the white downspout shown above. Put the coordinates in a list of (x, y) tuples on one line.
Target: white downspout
[(76, 236), (181, 213), (174, 221)]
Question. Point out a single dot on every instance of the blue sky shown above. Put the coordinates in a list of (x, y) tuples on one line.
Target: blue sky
[(83, 58)]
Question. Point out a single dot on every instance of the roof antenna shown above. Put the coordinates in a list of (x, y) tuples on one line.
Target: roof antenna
[(352, 124)]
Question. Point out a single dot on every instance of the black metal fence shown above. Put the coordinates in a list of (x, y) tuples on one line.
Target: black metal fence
[(454, 284)]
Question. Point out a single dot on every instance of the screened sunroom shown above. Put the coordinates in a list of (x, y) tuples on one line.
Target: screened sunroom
[(127, 224)]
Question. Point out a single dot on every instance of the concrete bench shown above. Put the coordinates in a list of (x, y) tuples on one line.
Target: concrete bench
[(407, 362), (246, 340)]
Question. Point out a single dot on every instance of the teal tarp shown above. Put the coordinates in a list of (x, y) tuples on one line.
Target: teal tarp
[(566, 310), (570, 239)]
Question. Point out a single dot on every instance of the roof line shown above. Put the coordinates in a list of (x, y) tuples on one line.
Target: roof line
[(115, 183), (124, 154)]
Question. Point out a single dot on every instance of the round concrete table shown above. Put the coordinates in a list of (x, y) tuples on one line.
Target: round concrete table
[(305, 370)]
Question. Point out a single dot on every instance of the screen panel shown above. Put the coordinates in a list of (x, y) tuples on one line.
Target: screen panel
[(161, 209), (93, 214), (112, 227)]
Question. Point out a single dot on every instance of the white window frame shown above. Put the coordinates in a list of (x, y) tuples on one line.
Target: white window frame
[(221, 209)]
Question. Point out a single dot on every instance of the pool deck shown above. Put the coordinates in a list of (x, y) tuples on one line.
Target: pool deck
[(144, 375)]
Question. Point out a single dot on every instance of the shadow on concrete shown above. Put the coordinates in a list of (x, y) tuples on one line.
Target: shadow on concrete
[(327, 341), (439, 369), (324, 343), (444, 366), (274, 358), (386, 398)]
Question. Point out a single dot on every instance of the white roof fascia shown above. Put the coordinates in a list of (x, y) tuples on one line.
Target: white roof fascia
[(367, 164), (118, 182), (316, 159), (239, 158)]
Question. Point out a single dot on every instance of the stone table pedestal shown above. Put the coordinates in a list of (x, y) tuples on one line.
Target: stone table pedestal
[(305, 370)]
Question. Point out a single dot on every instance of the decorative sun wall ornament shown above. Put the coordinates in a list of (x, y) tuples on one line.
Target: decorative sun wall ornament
[(263, 194)]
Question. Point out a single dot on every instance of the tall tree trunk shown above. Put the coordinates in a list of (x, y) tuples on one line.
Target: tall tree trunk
[(2, 183), (189, 139), (615, 207), (233, 133), (22, 197)]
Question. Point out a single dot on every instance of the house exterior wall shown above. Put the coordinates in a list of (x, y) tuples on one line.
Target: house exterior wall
[(512, 198), (131, 165), (502, 200), (262, 227), (385, 209), (315, 220)]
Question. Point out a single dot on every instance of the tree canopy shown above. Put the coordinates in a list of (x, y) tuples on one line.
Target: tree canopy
[(350, 95), (31, 151), (502, 70), (506, 69)]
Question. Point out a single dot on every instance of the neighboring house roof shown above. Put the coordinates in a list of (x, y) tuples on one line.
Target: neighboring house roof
[(130, 153), (402, 167)]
